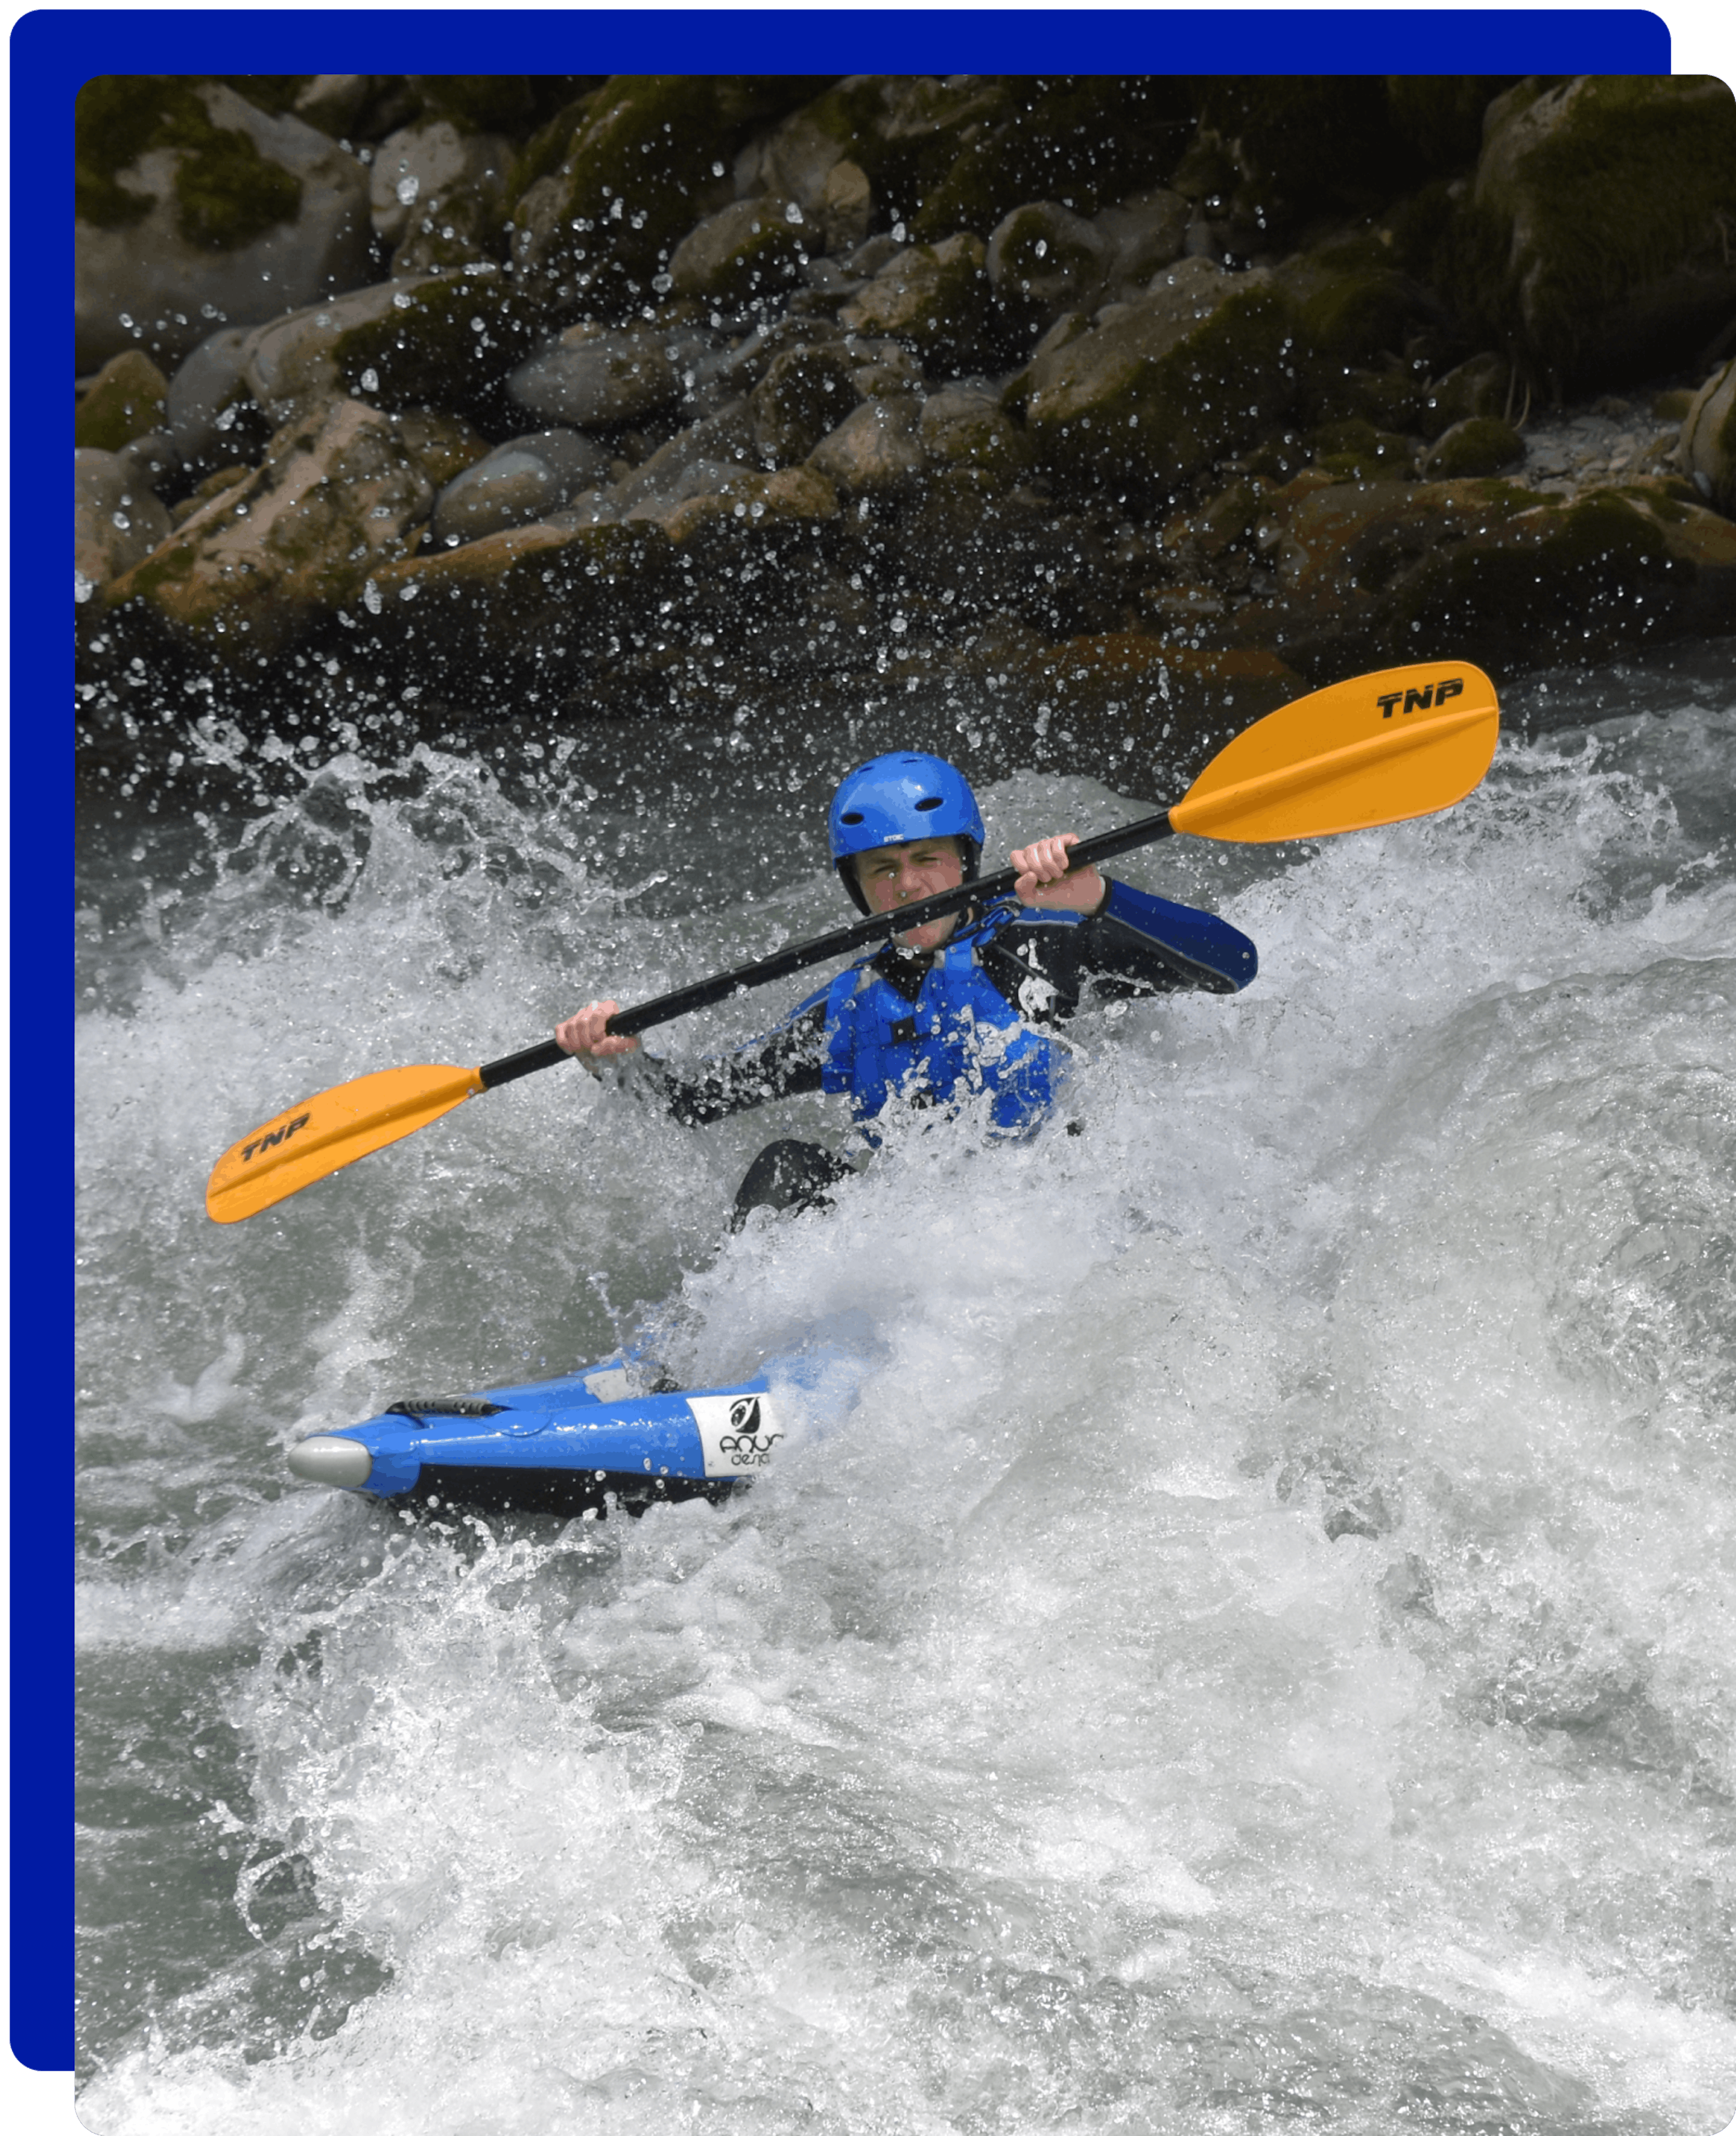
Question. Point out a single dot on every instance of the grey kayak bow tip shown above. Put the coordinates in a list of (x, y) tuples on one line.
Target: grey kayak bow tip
[(326, 1459)]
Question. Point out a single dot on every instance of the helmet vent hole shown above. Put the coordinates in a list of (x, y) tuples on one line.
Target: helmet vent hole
[(853, 816), (927, 801)]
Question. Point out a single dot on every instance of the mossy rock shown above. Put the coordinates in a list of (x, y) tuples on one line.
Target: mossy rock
[(1707, 450), (511, 104), (804, 395), (127, 399), (1482, 445), (1573, 582), (1301, 146), (933, 296), (749, 250), (427, 352), (1353, 450), (1596, 243), (1356, 311), (1082, 140), (1196, 373), (1437, 120), (637, 173), (226, 193)]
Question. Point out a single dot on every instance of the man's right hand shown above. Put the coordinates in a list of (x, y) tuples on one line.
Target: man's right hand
[(584, 1035)]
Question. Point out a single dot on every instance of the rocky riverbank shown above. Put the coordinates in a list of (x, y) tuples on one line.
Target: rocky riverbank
[(1102, 412)]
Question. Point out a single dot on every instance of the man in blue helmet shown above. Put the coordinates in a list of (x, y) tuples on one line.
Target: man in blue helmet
[(956, 1009)]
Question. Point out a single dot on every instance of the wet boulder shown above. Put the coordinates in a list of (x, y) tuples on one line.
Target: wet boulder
[(933, 296), (1197, 370), (1706, 453), (128, 398), (194, 207), (876, 451), (116, 520), (846, 212), (805, 395), (523, 480), (338, 495), (1042, 261), (437, 194), (753, 249), (748, 498), (1357, 310), (1595, 241), (592, 378)]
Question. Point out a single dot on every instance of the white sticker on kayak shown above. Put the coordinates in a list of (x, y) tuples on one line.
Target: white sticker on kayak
[(737, 1432)]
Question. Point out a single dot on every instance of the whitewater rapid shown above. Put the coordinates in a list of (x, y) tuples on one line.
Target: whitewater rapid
[(1258, 1650)]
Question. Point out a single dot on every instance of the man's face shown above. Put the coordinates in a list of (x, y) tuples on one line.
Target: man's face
[(891, 875)]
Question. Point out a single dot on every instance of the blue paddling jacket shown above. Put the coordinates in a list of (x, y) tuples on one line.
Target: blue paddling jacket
[(941, 1027)]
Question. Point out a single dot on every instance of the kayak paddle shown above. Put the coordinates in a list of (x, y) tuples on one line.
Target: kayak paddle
[(1376, 750)]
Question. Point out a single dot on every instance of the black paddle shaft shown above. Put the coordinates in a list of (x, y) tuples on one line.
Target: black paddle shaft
[(706, 993)]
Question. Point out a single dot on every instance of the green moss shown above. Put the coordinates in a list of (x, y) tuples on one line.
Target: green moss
[(227, 193), (168, 567), (515, 105), (1086, 140)]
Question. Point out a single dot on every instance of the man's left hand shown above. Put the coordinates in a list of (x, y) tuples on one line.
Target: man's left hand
[(1043, 879)]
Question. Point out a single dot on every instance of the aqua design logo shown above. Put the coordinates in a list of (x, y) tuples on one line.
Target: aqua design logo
[(737, 1432)]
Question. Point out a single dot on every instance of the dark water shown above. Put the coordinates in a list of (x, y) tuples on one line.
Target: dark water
[(1259, 1653)]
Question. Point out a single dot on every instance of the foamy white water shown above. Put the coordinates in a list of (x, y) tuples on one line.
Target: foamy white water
[(1259, 1649)]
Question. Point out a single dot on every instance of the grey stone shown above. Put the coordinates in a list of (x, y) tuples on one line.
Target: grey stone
[(173, 292), (751, 248), (592, 378), (1706, 451), (291, 362), (204, 393), (723, 440), (846, 207), (875, 452), (116, 521), (741, 368), (522, 480), (151, 459), (334, 102)]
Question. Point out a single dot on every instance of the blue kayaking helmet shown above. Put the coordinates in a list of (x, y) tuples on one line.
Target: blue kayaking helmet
[(894, 800)]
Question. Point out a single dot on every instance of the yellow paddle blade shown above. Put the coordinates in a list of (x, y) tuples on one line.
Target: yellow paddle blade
[(323, 1134), (1376, 749)]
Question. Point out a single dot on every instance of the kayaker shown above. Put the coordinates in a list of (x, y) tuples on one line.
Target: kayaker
[(958, 1007)]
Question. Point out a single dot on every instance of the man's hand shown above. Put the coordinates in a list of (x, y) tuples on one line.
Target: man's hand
[(1043, 880), (584, 1035)]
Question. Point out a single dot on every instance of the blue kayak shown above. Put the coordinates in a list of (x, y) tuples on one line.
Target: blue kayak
[(597, 1437)]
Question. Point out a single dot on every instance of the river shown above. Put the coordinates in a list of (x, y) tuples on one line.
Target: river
[(1258, 1654)]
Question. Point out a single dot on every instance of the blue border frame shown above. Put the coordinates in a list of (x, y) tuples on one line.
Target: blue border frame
[(51, 55)]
